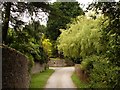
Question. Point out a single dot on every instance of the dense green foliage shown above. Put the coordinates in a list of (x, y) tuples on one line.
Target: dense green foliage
[(111, 34), (85, 38), (60, 15), (12, 12), (81, 40), (28, 40), (23, 37), (63, 13), (104, 73), (47, 46)]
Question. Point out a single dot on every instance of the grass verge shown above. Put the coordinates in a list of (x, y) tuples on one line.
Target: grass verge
[(39, 80), (78, 83)]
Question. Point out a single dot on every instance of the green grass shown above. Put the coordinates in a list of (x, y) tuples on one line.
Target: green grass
[(39, 80), (78, 83)]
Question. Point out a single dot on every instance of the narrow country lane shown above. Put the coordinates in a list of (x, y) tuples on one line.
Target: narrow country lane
[(61, 78)]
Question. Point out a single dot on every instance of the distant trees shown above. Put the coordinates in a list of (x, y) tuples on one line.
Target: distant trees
[(62, 13)]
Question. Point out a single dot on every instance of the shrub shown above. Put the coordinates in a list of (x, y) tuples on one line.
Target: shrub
[(81, 38), (104, 74), (31, 61)]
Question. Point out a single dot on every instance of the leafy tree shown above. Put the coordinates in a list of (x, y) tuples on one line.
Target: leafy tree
[(60, 15), (6, 20), (80, 40), (64, 12), (28, 41), (13, 10), (110, 37), (47, 46), (111, 32), (24, 38)]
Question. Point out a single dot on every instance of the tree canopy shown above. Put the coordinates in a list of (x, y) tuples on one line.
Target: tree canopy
[(12, 11), (65, 12)]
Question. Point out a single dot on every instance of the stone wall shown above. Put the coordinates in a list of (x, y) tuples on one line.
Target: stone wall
[(57, 63), (60, 63), (81, 73), (14, 69), (38, 67)]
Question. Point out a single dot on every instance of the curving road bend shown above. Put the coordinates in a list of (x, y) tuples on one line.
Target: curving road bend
[(61, 78)]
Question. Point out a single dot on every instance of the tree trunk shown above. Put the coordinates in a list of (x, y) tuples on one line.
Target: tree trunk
[(6, 22)]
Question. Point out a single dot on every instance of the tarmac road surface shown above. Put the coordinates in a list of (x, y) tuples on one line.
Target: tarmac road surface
[(61, 78)]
